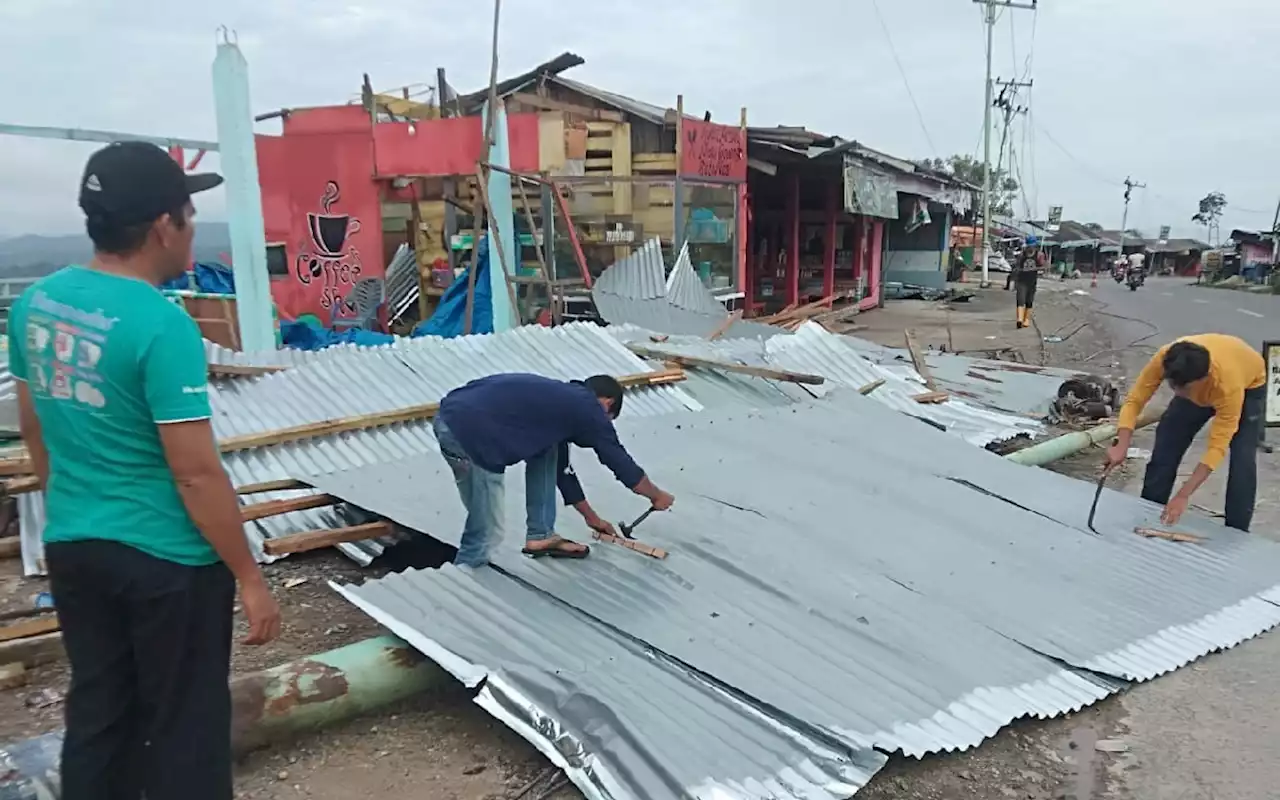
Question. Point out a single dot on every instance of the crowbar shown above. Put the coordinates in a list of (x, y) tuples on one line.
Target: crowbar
[(1093, 509)]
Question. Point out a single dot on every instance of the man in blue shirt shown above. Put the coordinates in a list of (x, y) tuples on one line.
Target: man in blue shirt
[(499, 421)]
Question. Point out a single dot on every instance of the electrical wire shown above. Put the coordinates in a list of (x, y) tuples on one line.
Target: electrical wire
[(1087, 169), (901, 71)]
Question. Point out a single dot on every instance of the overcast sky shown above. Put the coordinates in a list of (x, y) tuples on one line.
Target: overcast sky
[(1177, 93)]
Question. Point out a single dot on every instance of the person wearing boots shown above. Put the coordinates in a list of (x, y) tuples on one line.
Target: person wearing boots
[(1026, 273)]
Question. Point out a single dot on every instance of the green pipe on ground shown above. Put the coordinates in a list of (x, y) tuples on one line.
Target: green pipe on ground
[(278, 703), (325, 688), (1059, 448)]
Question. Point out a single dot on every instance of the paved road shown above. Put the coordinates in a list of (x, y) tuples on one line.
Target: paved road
[(1210, 731), (1179, 307)]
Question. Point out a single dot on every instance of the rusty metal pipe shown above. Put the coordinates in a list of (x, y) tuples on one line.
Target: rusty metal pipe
[(278, 703)]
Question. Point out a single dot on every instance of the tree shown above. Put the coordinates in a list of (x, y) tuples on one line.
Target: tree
[(1211, 208), (1093, 227), (1004, 189)]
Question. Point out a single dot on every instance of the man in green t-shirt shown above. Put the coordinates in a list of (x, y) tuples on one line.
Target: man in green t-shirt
[(143, 539)]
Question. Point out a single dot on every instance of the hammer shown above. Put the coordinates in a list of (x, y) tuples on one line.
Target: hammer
[(627, 529)]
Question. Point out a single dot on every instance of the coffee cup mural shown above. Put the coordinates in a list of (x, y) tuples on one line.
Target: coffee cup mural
[(330, 262)]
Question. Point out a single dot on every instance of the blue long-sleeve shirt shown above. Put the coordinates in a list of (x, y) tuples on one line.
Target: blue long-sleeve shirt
[(502, 420)]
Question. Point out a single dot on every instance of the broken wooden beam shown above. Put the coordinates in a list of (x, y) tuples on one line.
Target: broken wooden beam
[(725, 366), (917, 360), (28, 628), (283, 485), (871, 387), (11, 547), (316, 540), (1171, 536), (33, 651), (724, 326), (931, 398), (632, 544), (241, 371), (273, 508)]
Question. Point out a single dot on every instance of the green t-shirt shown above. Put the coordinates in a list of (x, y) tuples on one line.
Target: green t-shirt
[(107, 359)]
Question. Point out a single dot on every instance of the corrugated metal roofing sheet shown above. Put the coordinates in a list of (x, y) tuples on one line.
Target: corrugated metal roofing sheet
[(686, 290), (813, 349), (858, 573), (402, 282), (634, 291), (640, 276), (600, 705)]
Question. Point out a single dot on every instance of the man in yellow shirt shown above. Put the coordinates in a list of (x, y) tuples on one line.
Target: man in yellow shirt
[(1213, 376)]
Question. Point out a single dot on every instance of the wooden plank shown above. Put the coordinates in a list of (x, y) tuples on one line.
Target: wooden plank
[(931, 398), (550, 104), (28, 628), (622, 190), (551, 143), (316, 540), (22, 485), (1171, 536), (600, 127), (15, 465), (724, 366), (631, 544), (871, 387), (917, 360), (725, 325), (283, 485), (273, 508), (241, 371), (11, 547), (33, 651)]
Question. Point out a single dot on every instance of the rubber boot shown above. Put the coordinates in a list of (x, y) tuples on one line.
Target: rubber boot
[(1022, 312), (1026, 318)]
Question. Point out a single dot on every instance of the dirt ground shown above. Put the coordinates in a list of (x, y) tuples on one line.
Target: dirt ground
[(442, 746)]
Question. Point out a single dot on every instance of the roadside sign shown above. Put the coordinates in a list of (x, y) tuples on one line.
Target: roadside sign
[(1055, 218), (1164, 233)]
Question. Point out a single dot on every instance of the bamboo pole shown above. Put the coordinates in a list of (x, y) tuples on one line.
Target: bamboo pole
[(497, 245), (537, 248)]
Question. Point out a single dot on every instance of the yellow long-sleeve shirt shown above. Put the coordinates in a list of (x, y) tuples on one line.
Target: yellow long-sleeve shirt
[(1234, 367)]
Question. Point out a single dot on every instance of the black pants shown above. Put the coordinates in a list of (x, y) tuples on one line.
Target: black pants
[(1179, 426), (149, 641), (1026, 288)]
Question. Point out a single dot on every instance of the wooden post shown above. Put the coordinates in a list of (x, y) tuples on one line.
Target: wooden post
[(793, 241), (678, 203), (829, 242), (415, 223), (441, 90), (480, 172), (743, 227)]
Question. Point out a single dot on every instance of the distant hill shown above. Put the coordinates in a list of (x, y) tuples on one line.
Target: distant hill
[(40, 255)]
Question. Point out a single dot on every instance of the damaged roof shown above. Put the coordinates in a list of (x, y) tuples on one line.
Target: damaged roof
[(834, 568)]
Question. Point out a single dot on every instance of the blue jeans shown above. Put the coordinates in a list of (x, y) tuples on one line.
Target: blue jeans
[(482, 494)]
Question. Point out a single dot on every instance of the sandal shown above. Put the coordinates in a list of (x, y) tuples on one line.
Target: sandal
[(563, 548)]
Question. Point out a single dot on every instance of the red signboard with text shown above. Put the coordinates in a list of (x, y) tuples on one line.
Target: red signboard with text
[(713, 151)]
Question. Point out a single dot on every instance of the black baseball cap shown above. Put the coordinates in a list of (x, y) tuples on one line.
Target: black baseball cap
[(129, 183)]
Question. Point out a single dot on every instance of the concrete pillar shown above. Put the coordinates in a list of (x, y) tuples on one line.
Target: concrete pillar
[(501, 224), (244, 198)]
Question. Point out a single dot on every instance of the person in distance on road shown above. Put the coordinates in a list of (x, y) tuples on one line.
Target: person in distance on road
[(1026, 274), (496, 422), (1213, 376)]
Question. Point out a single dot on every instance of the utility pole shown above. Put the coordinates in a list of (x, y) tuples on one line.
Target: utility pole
[(989, 11), (1129, 186)]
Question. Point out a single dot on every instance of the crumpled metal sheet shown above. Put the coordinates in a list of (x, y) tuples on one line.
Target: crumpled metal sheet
[(636, 291), (813, 349), (686, 290), (623, 721), (887, 585)]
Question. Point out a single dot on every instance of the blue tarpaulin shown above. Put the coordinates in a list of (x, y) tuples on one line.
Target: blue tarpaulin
[(451, 314), (305, 335), (210, 278)]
